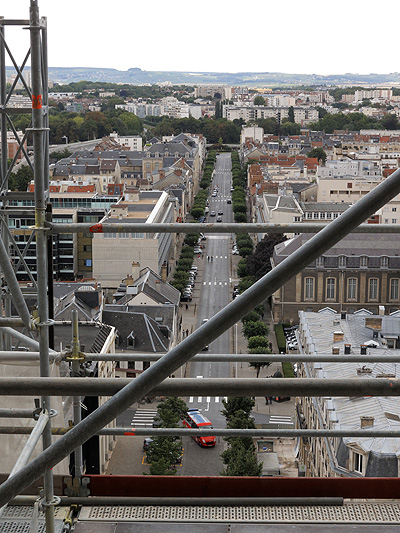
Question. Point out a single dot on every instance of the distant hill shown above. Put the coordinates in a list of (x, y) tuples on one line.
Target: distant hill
[(137, 76)]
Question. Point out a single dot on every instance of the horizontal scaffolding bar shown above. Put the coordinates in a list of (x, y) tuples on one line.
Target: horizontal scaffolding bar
[(18, 413), (224, 227), (11, 321), (305, 387), (256, 358), (181, 500), (213, 357), (369, 432)]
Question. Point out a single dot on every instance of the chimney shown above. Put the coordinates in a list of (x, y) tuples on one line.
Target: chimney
[(161, 173), (363, 349), (164, 272), (135, 269), (335, 351), (342, 315), (338, 336), (347, 349), (367, 421)]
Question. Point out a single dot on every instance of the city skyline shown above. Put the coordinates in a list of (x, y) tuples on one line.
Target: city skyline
[(219, 38)]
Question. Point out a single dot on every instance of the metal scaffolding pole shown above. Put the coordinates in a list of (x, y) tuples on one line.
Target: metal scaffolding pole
[(221, 227), (39, 132), (23, 338), (222, 321), (305, 387), (30, 444), (76, 359), (187, 501), (222, 432)]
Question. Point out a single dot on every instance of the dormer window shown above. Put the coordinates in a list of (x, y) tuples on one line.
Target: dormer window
[(363, 261), (384, 261), (342, 261)]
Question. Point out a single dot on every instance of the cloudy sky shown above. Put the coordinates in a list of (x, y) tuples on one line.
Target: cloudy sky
[(259, 36)]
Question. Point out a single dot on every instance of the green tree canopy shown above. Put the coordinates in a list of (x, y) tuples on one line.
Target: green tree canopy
[(259, 100), (319, 153)]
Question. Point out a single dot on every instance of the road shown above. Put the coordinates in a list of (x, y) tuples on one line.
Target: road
[(214, 295)]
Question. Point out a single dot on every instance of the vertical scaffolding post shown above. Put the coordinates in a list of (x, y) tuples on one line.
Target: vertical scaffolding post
[(76, 359), (39, 139), (5, 342)]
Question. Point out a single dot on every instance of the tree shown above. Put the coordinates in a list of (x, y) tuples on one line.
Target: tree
[(253, 316), (257, 341), (319, 153), (21, 179), (253, 329), (259, 100), (291, 114), (232, 405)]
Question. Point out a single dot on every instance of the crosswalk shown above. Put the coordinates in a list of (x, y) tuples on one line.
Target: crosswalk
[(280, 419), (144, 418), (207, 399), (215, 283)]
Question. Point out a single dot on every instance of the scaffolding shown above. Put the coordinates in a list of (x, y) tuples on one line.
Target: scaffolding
[(36, 327)]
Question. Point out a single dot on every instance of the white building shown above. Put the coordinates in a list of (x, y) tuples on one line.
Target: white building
[(329, 333), (116, 255), (133, 142)]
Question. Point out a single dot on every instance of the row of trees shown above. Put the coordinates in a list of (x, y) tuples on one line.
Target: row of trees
[(200, 200), (239, 458), (185, 262)]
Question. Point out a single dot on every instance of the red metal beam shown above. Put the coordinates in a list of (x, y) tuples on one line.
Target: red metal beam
[(179, 486)]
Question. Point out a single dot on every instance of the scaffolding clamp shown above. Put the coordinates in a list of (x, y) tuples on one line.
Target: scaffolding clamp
[(77, 487), (48, 503)]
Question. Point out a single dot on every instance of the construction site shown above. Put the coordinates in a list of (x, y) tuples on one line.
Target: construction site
[(46, 476)]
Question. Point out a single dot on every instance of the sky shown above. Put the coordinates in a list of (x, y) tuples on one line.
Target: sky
[(308, 37)]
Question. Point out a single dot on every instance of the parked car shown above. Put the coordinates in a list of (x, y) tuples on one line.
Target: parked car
[(214, 194), (202, 219), (186, 298), (146, 443), (235, 251), (203, 237)]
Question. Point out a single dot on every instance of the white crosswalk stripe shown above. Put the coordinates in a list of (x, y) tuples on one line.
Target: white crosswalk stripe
[(144, 418), (209, 399)]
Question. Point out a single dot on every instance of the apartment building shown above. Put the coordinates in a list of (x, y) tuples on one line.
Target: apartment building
[(361, 272), (330, 333), (115, 255)]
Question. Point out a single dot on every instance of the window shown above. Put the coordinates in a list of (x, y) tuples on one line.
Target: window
[(124, 235), (394, 220), (110, 235), (309, 215), (394, 209), (384, 262), (319, 262), (363, 261), (88, 262), (328, 215), (309, 289), (322, 216), (330, 288), (373, 289), (394, 289), (316, 215), (352, 289), (342, 261), (297, 219), (358, 462)]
